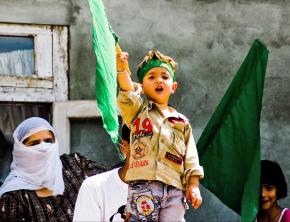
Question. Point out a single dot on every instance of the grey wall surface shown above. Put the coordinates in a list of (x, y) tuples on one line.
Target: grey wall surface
[(208, 39)]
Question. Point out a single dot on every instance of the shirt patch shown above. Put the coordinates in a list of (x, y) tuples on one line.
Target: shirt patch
[(143, 129), (145, 205), (139, 163), (139, 149), (178, 124), (173, 158), (174, 120), (141, 134)]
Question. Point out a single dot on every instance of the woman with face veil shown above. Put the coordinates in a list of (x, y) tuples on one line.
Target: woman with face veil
[(42, 186)]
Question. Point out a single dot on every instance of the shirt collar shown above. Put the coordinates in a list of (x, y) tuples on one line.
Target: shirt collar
[(150, 104)]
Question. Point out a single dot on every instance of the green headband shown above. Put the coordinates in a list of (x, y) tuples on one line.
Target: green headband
[(152, 64)]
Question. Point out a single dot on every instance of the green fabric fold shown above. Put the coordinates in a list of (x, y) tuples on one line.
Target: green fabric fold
[(106, 74), (229, 147)]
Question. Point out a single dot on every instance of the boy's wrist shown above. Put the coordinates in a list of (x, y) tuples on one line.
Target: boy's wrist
[(193, 181), (121, 71)]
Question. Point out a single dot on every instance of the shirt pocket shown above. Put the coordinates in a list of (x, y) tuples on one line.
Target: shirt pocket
[(178, 142)]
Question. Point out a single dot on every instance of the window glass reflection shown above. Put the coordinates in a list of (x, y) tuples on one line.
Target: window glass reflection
[(16, 56)]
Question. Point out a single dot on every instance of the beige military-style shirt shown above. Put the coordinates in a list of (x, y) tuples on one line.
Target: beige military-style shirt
[(162, 146)]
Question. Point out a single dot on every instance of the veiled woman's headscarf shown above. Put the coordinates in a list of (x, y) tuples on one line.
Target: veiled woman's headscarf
[(34, 167)]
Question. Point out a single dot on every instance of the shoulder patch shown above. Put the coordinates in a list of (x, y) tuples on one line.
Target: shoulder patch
[(179, 119)]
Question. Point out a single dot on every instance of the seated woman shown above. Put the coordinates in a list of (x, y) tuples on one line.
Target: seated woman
[(41, 185), (273, 188)]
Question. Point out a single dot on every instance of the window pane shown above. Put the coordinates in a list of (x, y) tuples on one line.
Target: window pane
[(16, 56), (90, 139)]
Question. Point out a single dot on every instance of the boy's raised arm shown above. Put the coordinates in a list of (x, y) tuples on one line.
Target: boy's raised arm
[(124, 78)]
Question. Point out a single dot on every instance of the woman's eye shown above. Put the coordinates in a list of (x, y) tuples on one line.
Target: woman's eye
[(165, 77), (151, 77), (33, 143), (269, 187), (49, 140)]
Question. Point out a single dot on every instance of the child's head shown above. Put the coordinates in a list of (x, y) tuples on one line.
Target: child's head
[(272, 175), (156, 73)]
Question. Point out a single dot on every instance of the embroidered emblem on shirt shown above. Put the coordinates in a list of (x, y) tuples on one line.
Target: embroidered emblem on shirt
[(145, 205), (173, 158), (137, 164), (144, 129), (176, 120), (139, 149)]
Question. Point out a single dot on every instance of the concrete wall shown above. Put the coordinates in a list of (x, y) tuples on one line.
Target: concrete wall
[(208, 38)]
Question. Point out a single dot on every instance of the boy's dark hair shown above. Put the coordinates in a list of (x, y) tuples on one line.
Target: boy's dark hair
[(125, 135), (125, 132), (271, 173), (155, 54)]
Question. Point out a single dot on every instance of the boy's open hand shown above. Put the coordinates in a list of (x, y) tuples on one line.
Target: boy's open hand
[(193, 195), (122, 60)]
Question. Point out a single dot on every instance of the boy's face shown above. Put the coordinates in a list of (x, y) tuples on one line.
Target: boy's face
[(158, 85)]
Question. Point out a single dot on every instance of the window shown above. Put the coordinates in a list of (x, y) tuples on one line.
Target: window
[(16, 56), (79, 128), (33, 63)]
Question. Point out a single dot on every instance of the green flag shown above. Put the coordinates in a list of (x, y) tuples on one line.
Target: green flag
[(106, 74), (229, 147)]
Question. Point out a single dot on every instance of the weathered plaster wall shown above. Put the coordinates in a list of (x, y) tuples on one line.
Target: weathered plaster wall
[(208, 38)]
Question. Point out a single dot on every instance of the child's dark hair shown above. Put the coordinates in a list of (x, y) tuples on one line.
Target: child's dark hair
[(125, 133), (155, 54), (272, 174)]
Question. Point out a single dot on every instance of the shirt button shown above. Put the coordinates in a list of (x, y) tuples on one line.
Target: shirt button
[(162, 140)]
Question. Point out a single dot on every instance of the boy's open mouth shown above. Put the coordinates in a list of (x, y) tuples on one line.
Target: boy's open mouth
[(159, 89)]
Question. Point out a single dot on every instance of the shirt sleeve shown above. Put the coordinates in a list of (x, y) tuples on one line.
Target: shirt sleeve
[(87, 206), (191, 160), (286, 216), (129, 103)]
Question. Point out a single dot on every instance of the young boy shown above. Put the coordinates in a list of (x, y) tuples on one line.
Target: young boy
[(163, 164)]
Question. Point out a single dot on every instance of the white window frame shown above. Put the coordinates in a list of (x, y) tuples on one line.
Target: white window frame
[(63, 112), (49, 82)]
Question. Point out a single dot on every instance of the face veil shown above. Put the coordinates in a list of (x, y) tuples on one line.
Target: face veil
[(34, 167)]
